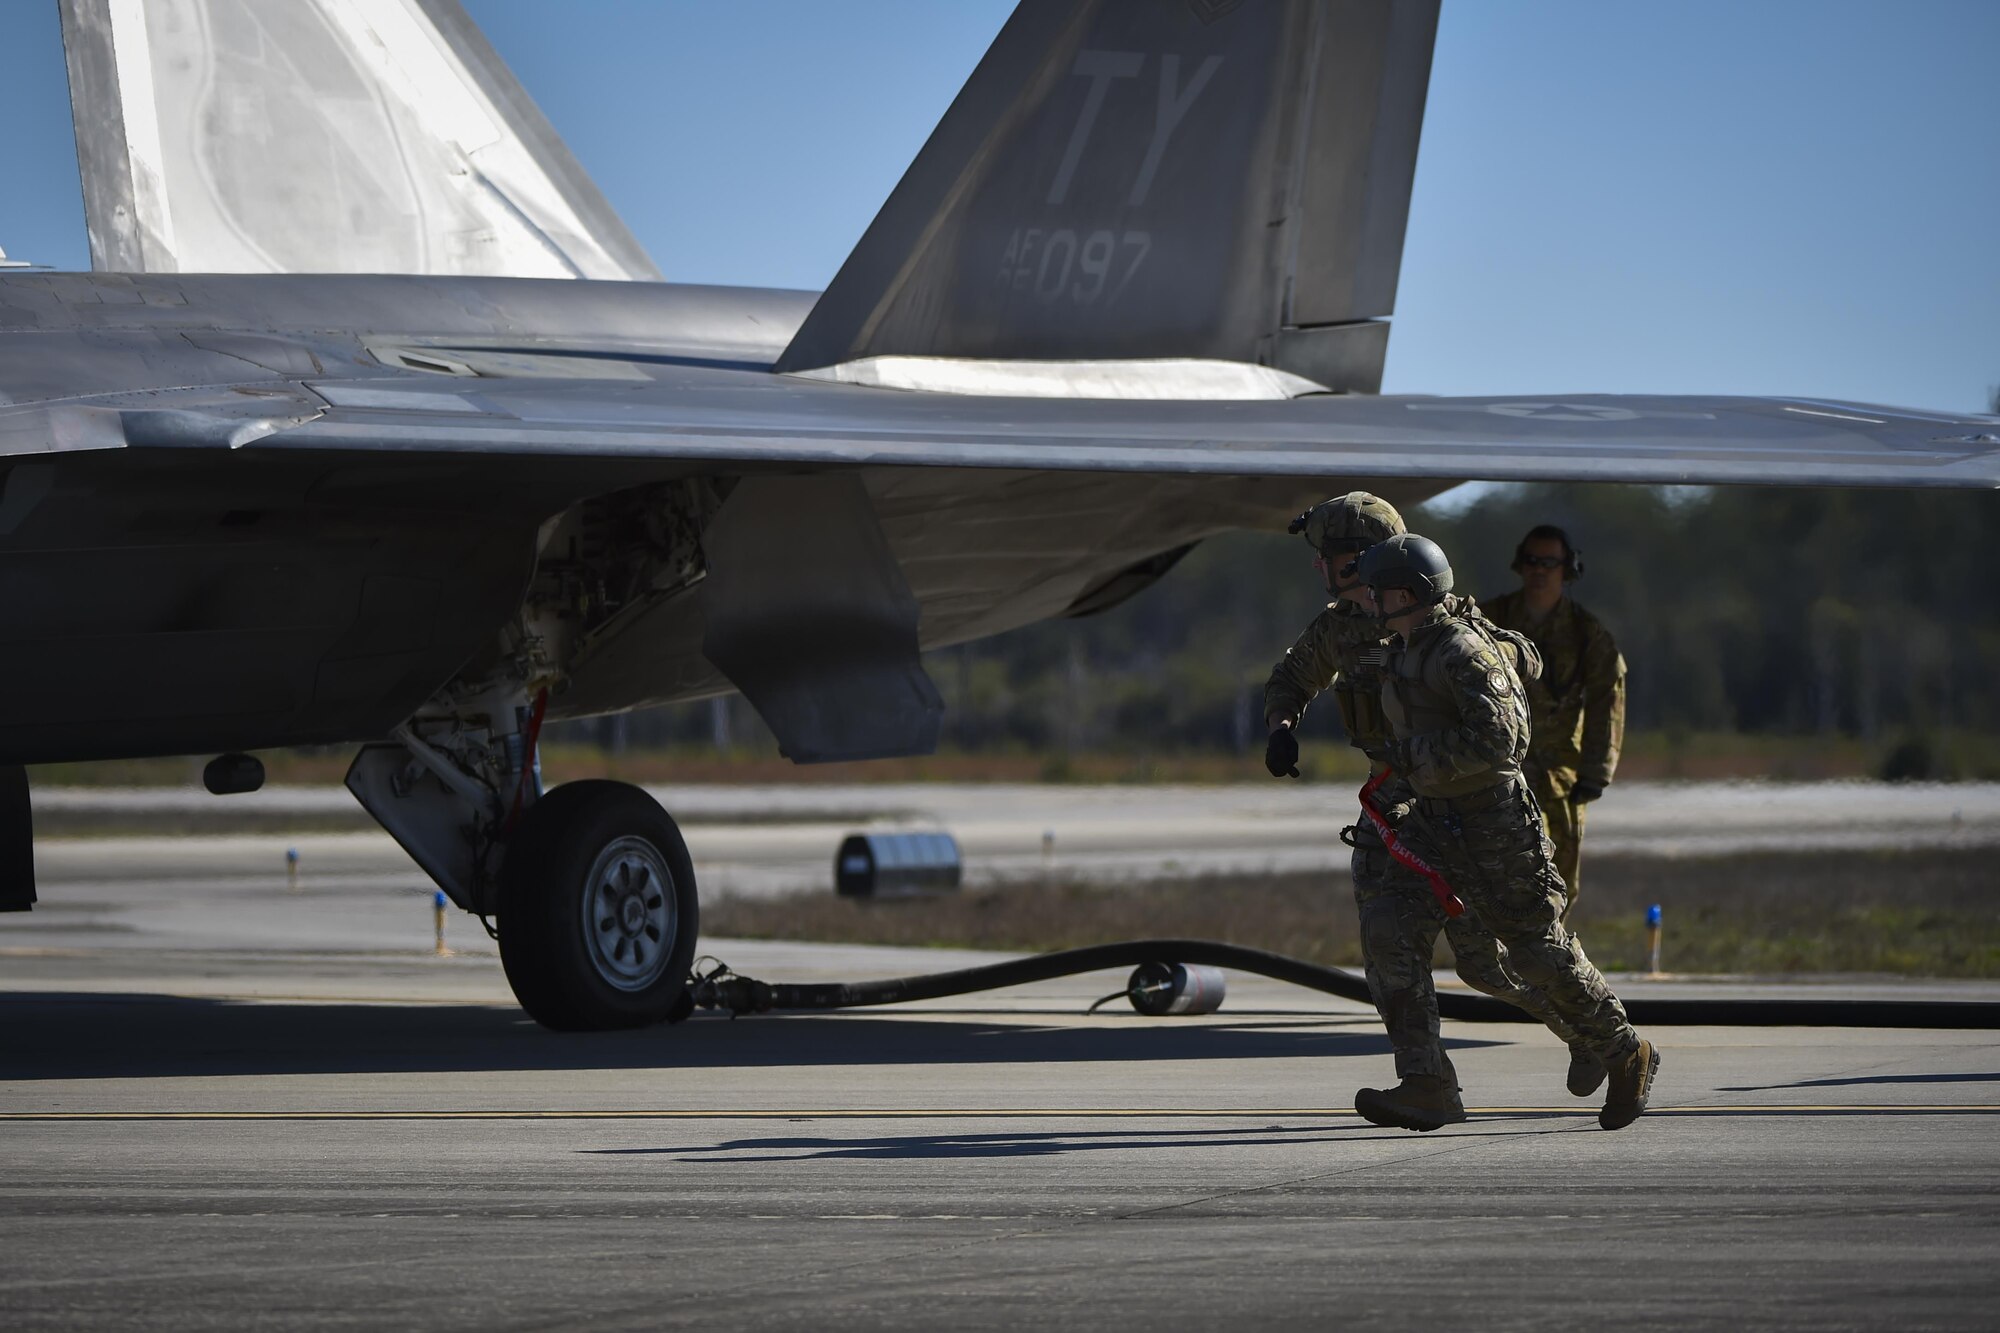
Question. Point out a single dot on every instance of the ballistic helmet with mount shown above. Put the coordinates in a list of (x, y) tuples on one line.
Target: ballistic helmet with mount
[(1348, 523), (1410, 562)]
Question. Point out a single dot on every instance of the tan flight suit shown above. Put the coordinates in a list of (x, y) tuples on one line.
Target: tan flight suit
[(1578, 707), (1344, 649), (1459, 715)]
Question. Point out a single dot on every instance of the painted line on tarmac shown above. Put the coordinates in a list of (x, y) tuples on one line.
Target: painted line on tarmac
[(963, 1113)]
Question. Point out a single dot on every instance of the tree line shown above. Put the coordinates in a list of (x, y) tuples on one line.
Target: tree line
[(1868, 614)]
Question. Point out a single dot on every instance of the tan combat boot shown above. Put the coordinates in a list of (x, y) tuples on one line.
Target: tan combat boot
[(1422, 1102), (1586, 1072), (1631, 1084)]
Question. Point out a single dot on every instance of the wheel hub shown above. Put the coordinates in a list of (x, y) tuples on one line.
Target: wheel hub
[(629, 915)]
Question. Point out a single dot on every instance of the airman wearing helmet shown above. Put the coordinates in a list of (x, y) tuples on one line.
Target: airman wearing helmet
[(1343, 650), (1459, 720)]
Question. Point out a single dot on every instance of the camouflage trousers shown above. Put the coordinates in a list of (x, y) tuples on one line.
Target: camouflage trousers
[(1400, 921), (1499, 861), (1563, 819)]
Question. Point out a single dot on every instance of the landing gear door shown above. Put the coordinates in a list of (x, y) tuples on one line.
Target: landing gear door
[(808, 614), (437, 826), (17, 841)]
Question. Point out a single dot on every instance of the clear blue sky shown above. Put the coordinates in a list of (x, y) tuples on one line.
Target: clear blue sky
[(1735, 197)]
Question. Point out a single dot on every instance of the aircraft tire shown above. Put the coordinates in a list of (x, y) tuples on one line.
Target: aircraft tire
[(598, 911)]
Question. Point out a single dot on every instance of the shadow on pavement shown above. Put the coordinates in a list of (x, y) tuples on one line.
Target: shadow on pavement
[(66, 1036), (1872, 1078), (905, 1147)]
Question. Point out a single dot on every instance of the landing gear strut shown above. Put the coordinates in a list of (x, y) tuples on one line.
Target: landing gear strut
[(591, 882), (598, 913)]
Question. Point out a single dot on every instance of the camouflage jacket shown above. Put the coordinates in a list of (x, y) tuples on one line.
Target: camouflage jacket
[(1578, 705), (1452, 693), (1344, 649)]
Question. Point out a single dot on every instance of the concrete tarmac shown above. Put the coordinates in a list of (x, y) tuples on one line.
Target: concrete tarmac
[(320, 1130)]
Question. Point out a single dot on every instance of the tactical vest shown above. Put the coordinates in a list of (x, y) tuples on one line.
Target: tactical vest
[(1357, 693), (1414, 707)]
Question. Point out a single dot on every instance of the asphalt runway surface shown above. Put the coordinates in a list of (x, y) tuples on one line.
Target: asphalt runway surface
[(302, 1121)]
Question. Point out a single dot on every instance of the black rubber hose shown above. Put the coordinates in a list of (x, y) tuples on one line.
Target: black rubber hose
[(745, 995)]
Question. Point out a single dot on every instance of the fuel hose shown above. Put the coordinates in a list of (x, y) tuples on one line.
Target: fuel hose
[(721, 988)]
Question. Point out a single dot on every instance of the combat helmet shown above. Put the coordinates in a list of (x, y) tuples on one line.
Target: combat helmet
[(1348, 523), (1407, 561)]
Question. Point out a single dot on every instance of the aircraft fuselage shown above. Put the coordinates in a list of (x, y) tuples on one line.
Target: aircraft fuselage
[(164, 599)]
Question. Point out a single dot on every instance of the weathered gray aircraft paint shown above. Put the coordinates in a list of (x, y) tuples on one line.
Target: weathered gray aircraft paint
[(1134, 292)]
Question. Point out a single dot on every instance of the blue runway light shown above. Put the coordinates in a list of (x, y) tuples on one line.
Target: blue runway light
[(1653, 915)]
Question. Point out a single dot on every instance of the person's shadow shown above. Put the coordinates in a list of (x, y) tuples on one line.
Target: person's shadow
[(1008, 1143), (1859, 1082)]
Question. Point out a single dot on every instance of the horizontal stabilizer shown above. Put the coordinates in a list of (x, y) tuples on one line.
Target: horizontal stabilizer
[(1204, 179), (322, 136)]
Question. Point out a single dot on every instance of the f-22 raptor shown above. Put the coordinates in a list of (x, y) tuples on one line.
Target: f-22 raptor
[(372, 423)]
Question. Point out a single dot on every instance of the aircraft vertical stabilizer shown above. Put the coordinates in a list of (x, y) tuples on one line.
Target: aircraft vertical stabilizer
[(322, 136), (1203, 178)]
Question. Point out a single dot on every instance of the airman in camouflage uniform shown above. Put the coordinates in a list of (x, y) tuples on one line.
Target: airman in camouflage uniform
[(1343, 650), (1578, 705), (1459, 718)]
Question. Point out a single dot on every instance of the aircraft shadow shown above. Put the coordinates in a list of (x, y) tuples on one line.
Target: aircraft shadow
[(55, 1035)]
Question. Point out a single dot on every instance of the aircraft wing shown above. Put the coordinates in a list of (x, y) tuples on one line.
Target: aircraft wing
[(734, 418)]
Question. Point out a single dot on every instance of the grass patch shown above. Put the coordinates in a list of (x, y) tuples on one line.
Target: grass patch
[(1931, 914), (1294, 914)]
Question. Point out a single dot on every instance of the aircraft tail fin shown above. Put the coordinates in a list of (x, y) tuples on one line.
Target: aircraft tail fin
[(1202, 178), (322, 136)]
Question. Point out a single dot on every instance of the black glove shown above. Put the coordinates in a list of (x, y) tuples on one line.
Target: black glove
[(1281, 753), (1583, 793)]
